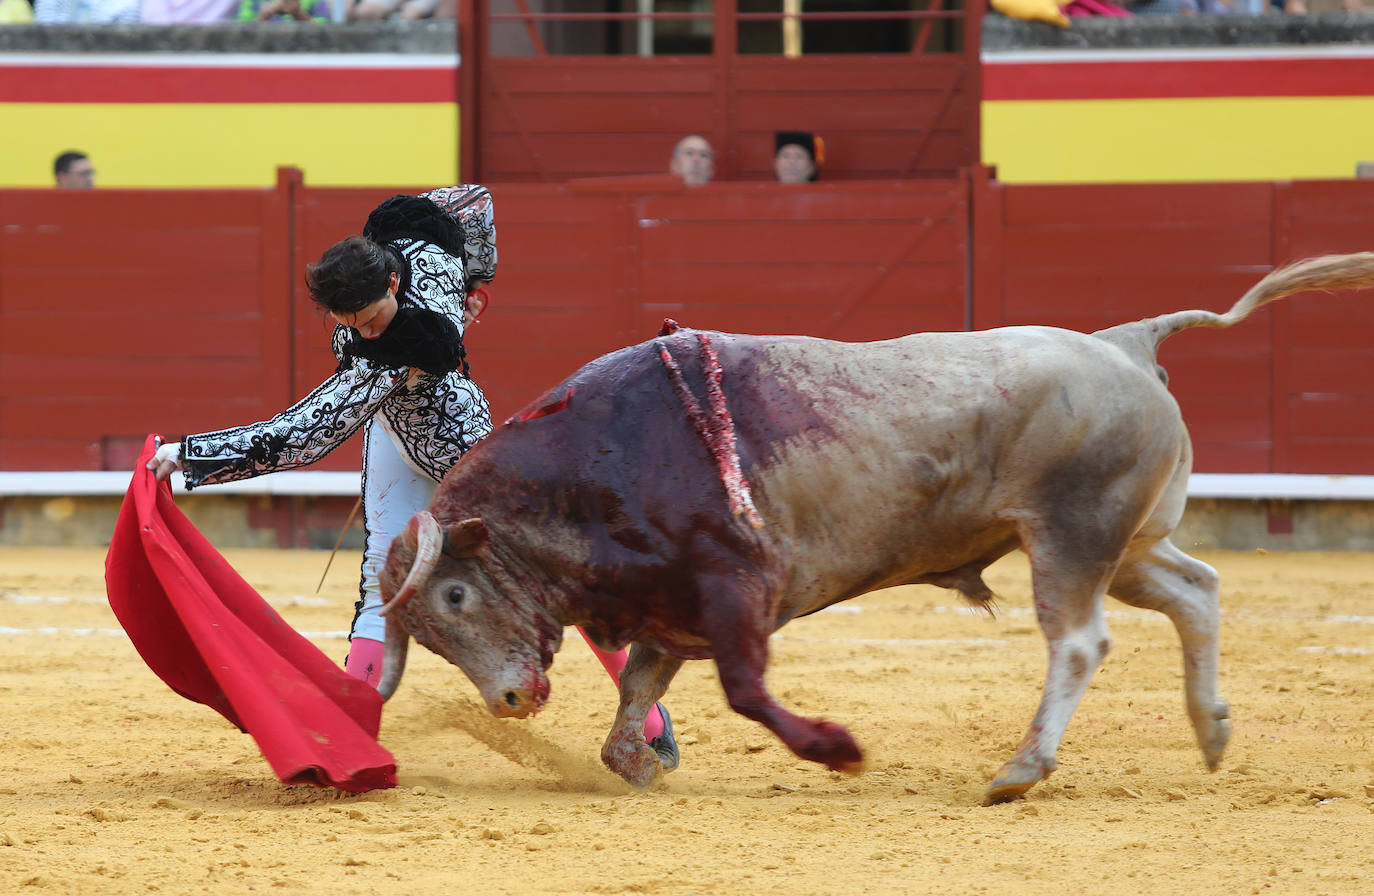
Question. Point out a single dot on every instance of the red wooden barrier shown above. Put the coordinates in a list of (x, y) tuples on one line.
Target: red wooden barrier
[(124, 312), (1323, 392), (1289, 390)]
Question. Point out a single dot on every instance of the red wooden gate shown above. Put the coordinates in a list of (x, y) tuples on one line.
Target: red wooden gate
[(552, 99)]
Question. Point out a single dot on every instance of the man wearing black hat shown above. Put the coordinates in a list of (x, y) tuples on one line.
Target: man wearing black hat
[(796, 156)]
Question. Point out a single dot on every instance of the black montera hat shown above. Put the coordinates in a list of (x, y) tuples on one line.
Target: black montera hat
[(805, 140)]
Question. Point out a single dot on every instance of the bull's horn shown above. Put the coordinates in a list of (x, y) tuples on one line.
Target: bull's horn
[(394, 657), (429, 543)]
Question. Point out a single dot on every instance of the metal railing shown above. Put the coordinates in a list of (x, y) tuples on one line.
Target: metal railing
[(726, 19)]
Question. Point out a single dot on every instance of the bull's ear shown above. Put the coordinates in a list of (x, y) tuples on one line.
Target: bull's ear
[(465, 538)]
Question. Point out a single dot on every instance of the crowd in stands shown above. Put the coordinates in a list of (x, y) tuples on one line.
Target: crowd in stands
[(1224, 7), (208, 12), (202, 12), (1061, 12)]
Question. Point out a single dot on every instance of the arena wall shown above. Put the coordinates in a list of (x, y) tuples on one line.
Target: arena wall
[(1158, 98), (1178, 98), (124, 312), (1047, 116), (1192, 114), (213, 107), (130, 310)]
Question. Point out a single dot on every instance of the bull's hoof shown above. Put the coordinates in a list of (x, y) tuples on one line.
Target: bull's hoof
[(638, 766), (1014, 779), (854, 769), (644, 770), (832, 746), (665, 745), (1002, 792), (1215, 735)]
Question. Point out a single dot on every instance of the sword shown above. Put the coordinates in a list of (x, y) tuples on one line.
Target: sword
[(348, 522)]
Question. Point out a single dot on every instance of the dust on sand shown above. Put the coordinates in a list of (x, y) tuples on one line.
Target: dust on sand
[(112, 784)]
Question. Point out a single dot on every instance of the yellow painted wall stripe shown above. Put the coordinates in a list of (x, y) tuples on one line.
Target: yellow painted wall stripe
[(234, 144), (1197, 139)]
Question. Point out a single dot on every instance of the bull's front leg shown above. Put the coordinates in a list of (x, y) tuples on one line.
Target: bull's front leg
[(643, 682), (738, 628)]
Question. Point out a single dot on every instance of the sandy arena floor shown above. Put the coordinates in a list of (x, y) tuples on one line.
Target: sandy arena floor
[(111, 784)]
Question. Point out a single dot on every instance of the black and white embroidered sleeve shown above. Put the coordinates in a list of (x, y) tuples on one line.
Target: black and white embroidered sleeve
[(302, 434)]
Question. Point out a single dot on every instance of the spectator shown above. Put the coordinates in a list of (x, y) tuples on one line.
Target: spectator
[(15, 12), (1207, 7), (797, 156), (1304, 7), (188, 12), (693, 160), (73, 171), (1154, 7), (1095, 8), (376, 10), (282, 10), (86, 12)]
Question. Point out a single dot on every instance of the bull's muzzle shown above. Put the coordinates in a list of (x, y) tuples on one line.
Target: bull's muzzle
[(517, 703), (523, 700)]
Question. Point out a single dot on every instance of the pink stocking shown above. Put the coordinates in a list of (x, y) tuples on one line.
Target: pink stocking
[(614, 662), (365, 659)]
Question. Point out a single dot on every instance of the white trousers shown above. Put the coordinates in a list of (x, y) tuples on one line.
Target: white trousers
[(393, 492)]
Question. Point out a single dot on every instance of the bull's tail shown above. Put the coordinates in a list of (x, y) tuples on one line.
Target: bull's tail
[(1325, 272)]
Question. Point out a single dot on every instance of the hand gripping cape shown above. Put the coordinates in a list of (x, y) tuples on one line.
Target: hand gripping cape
[(214, 640)]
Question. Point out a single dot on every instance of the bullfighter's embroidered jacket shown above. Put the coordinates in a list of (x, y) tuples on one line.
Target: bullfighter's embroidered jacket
[(433, 418)]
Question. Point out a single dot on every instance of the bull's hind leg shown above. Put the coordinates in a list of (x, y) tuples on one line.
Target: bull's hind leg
[(643, 681), (1068, 604), (1158, 576)]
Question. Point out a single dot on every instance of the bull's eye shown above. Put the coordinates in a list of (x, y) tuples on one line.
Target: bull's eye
[(454, 597)]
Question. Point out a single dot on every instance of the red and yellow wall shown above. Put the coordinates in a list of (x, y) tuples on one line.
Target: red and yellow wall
[(229, 120), (1178, 115), (1048, 116)]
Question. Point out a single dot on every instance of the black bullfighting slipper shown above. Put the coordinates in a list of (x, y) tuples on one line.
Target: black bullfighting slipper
[(665, 745)]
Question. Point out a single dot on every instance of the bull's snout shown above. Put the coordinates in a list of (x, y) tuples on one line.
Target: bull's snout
[(520, 695), (517, 703)]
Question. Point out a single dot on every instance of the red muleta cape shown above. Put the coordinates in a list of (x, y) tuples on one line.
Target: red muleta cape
[(214, 640)]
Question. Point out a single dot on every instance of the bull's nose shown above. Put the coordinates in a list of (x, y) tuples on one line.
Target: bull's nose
[(515, 704)]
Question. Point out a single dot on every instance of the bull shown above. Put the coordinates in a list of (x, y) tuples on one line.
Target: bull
[(692, 494)]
